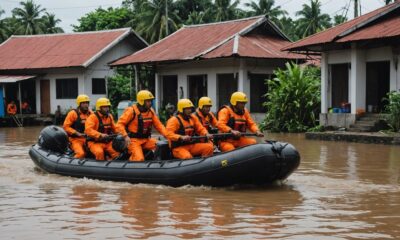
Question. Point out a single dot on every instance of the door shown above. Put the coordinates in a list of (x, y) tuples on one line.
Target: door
[(378, 84), (170, 86), (197, 87), (340, 84), (227, 84), (45, 96)]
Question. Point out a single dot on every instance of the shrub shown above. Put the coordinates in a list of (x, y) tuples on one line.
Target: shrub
[(393, 109)]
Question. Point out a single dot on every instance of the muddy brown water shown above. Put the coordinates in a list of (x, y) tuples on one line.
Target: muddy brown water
[(340, 191)]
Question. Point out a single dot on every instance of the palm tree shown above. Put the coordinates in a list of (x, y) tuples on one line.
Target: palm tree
[(197, 17), (50, 23), (154, 20), (225, 10), (311, 19), (266, 7), (339, 19), (28, 17), (3, 28)]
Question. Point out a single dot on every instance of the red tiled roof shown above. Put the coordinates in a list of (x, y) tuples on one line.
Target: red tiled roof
[(352, 28), (207, 41), (57, 50)]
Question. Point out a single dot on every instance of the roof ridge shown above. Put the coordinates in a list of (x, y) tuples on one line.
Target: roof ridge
[(263, 19), (72, 33), (223, 22)]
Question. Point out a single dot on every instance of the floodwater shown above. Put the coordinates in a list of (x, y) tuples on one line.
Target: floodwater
[(340, 191)]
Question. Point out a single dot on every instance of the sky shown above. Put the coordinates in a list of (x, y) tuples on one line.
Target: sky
[(69, 11)]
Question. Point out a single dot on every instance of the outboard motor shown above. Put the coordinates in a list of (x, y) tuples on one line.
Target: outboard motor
[(53, 138)]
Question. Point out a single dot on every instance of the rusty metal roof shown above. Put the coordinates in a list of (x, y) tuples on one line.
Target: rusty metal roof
[(15, 78), (58, 50), (368, 26), (215, 40)]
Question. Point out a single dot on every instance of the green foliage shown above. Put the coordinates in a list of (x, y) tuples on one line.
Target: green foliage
[(28, 19), (119, 88), (293, 99), (393, 109), (102, 19), (311, 19)]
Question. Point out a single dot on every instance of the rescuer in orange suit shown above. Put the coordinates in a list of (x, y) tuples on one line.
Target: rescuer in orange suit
[(74, 125), (98, 128), (135, 125), (181, 128), (11, 108), (205, 116), (235, 119)]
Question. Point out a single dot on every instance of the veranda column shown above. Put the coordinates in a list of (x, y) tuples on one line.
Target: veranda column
[(357, 79), (212, 90), (325, 88)]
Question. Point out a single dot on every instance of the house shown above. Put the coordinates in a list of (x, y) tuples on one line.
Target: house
[(359, 63), (215, 60), (52, 70)]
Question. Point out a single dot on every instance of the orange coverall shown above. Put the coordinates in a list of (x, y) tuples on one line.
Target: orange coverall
[(208, 121), (142, 140), (240, 124), (190, 127), (11, 109), (72, 127), (92, 130)]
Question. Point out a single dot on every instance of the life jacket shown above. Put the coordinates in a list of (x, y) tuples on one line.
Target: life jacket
[(236, 122), (206, 123), (79, 124), (184, 130), (144, 125), (103, 128), (11, 109)]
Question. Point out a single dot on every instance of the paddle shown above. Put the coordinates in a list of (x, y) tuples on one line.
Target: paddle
[(223, 136)]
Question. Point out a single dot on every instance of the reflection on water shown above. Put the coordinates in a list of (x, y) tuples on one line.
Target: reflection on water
[(340, 191)]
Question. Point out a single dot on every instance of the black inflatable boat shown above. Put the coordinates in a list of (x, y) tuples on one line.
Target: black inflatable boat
[(255, 164)]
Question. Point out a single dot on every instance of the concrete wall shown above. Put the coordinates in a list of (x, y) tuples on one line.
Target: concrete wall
[(357, 58), (211, 68)]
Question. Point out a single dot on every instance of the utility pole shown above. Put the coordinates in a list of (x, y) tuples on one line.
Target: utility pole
[(356, 8), (166, 16)]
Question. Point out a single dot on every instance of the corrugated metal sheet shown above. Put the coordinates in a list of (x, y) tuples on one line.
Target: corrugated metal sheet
[(54, 50), (333, 33), (209, 41), (383, 29), (255, 46), (14, 78)]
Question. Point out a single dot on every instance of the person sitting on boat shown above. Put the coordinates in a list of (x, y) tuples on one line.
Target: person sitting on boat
[(205, 116), (11, 108), (99, 128), (136, 123), (180, 130), (235, 119), (74, 125)]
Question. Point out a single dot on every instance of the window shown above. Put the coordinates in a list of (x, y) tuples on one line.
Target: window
[(227, 84), (197, 87), (98, 86), (66, 88), (257, 91)]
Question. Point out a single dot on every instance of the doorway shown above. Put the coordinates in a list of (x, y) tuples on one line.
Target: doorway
[(378, 85), (45, 96), (340, 84), (197, 87), (169, 90), (227, 84)]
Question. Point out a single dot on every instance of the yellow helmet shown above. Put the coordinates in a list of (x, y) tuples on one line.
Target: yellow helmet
[(238, 97), (82, 98), (184, 103), (204, 101), (102, 102), (144, 95)]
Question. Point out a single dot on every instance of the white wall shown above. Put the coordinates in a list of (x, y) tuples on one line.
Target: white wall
[(98, 69), (357, 78), (212, 68)]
